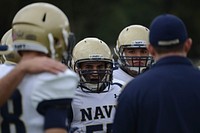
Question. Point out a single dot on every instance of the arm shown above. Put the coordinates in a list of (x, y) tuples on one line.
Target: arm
[(9, 82), (36, 65)]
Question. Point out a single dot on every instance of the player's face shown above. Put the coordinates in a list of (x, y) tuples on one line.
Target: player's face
[(136, 52), (93, 70)]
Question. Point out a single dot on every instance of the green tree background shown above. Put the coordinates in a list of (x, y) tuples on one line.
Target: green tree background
[(106, 18)]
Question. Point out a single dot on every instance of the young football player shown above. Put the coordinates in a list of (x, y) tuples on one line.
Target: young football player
[(94, 104), (131, 49), (40, 102)]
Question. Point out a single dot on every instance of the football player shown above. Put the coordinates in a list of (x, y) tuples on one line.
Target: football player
[(40, 102), (94, 104), (10, 59), (131, 49)]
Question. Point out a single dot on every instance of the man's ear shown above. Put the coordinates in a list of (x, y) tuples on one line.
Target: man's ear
[(187, 45), (151, 50)]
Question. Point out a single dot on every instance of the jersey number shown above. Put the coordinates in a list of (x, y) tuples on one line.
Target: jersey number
[(11, 113), (93, 128)]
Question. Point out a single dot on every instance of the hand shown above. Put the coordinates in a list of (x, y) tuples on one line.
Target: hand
[(41, 64)]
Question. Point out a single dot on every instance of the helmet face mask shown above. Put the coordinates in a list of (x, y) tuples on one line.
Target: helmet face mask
[(132, 63), (49, 30), (92, 60), (94, 80), (133, 40)]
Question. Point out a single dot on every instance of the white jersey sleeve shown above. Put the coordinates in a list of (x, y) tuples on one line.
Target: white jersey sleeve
[(51, 87), (5, 69), (121, 75)]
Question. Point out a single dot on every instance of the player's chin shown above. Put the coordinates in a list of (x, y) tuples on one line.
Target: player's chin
[(94, 80)]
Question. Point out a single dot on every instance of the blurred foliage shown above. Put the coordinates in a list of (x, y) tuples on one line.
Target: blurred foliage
[(106, 18)]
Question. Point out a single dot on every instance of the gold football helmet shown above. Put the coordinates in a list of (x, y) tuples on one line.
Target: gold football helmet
[(10, 56), (93, 50), (42, 27), (133, 37)]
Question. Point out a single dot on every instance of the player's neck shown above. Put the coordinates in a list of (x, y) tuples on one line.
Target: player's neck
[(158, 57), (31, 54)]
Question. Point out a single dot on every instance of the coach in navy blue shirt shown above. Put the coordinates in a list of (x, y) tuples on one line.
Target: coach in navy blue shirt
[(166, 98)]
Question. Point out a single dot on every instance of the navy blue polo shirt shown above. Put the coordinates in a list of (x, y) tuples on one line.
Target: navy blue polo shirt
[(164, 99)]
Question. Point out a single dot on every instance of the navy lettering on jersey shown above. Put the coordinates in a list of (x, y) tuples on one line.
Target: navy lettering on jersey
[(86, 113), (108, 110), (99, 112)]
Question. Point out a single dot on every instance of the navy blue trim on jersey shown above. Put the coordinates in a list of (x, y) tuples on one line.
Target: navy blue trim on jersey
[(58, 103), (55, 112), (70, 114), (55, 118), (120, 85)]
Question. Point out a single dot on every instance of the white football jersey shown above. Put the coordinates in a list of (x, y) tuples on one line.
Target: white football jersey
[(5, 68), (122, 75), (19, 113), (94, 112)]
